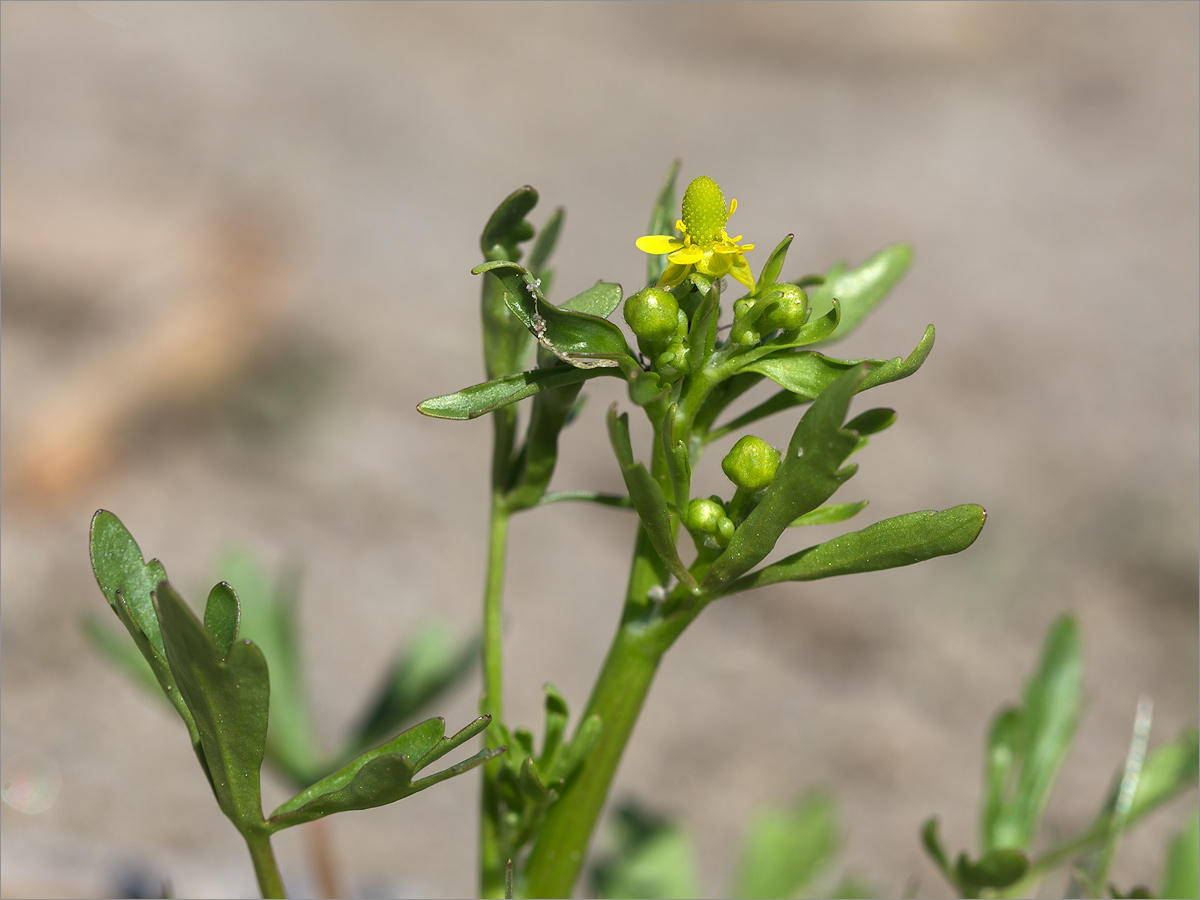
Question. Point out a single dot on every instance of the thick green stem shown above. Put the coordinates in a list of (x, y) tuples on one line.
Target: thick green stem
[(617, 699), (270, 882)]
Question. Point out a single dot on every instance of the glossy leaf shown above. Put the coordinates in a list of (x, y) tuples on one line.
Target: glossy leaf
[(579, 339), (481, 399), (860, 289), (647, 497), (810, 471), (831, 514), (599, 300), (506, 341), (774, 265), (662, 221), (383, 775), (228, 699), (786, 849), (128, 583), (899, 541), (222, 616)]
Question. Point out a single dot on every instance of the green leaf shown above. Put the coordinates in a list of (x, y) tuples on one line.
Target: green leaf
[(598, 300), (579, 339), (648, 498), (128, 583), (830, 514), (426, 666), (228, 700), (808, 373), (506, 341), (931, 840), (1003, 746), (507, 226), (860, 289), (785, 850), (652, 858), (996, 870), (899, 541), (662, 221), (872, 421), (118, 650), (383, 775), (221, 617), (619, 501), (1181, 877), (546, 241), (810, 471), (1047, 725), (481, 399), (774, 265)]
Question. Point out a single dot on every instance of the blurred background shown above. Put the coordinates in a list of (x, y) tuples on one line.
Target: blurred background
[(236, 243)]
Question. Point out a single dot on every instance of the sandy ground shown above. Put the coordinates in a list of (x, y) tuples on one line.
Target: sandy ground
[(236, 249)]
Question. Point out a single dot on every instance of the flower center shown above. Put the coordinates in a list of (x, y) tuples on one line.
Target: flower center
[(704, 214)]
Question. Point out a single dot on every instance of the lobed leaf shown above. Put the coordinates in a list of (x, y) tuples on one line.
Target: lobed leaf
[(383, 775), (648, 498), (228, 700), (810, 471), (860, 289), (899, 541)]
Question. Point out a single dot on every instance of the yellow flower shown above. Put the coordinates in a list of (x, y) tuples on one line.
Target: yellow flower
[(705, 245)]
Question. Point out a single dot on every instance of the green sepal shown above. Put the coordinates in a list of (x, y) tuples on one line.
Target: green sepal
[(228, 698), (582, 340), (891, 543), (774, 265), (384, 775), (128, 583), (648, 499), (810, 471), (860, 289), (830, 514), (489, 396), (662, 221)]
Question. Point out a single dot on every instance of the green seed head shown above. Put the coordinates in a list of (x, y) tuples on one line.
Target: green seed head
[(751, 464), (704, 212)]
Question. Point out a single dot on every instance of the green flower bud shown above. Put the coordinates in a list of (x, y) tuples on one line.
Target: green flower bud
[(704, 516), (786, 312), (652, 314), (751, 464)]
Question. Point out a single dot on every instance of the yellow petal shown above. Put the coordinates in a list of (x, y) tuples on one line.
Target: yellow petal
[(657, 244), (732, 207), (687, 256), (672, 276), (741, 271)]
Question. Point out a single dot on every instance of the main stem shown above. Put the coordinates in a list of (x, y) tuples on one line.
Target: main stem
[(617, 698), (270, 882), (492, 864)]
